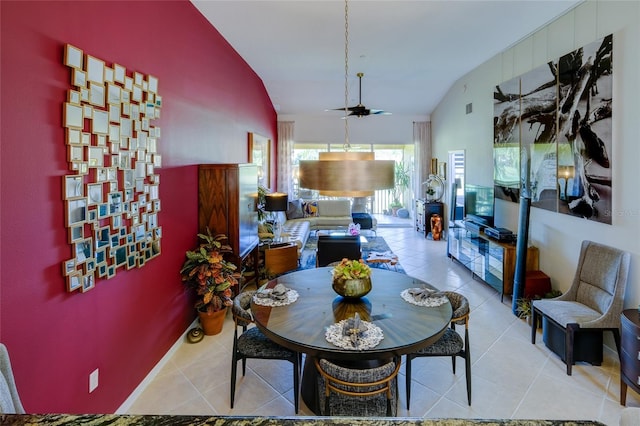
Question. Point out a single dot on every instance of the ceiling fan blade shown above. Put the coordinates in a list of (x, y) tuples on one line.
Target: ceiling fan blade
[(379, 112)]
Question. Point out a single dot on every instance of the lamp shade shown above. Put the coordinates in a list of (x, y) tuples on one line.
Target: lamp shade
[(276, 202), (352, 174)]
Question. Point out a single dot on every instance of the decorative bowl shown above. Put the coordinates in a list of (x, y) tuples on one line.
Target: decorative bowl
[(352, 288)]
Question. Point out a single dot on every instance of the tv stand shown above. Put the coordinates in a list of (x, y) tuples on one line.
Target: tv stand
[(493, 261)]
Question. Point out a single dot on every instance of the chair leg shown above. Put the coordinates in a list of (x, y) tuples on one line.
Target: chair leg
[(407, 374), (569, 343), (467, 365), (453, 362), (234, 369)]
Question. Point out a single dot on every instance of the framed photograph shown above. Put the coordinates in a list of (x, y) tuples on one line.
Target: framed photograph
[(100, 122), (88, 282), (131, 261), (113, 94), (137, 93), (116, 221), (74, 281), (102, 239), (114, 200), (73, 97), (101, 256), (114, 113), (83, 251), (95, 194), (73, 56), (119, 73), (95, 70), (73, 116), (259, 150), (103, 211), (102, 270), (88, 112), (96, 156), (114, 134), (73, 186), (76, 233), (76, 211), (74, 136), (153, 84), (79, 78), (108, 75), (128, 83), (84, 94), (111, 271), (137, 78), (96, 94), (92, 217), (68, 267)]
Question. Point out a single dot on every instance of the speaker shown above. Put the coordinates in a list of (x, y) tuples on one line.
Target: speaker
[(522, 242)]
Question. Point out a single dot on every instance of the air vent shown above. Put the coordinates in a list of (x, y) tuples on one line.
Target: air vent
[(469, 108)]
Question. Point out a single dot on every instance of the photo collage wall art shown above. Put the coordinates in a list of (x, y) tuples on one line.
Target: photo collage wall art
[(111, 195)]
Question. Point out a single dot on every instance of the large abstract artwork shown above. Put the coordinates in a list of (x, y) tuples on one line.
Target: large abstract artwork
[(552, 134)]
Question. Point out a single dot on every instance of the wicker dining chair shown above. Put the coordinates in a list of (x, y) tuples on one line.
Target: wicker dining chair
[(366, 392), (450, 344), (253, 344)]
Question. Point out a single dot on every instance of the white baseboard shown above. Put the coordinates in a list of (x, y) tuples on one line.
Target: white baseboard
[(126, 405)]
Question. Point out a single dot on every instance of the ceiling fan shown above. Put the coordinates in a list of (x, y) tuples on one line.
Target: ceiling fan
[(360, 110)]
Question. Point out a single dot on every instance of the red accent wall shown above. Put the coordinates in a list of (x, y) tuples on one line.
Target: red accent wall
[(211, 99)]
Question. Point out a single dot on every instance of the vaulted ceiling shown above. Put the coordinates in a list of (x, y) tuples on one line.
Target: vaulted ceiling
[(411, 52)]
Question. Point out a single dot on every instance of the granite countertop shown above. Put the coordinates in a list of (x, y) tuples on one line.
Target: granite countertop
[(124, 420)]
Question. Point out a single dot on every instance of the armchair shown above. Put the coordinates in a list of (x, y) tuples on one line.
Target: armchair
[(592, 304)]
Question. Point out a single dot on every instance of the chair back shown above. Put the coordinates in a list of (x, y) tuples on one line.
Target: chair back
[(359, 391), (240, 308), (9, 399), (333, 248), (459, 306), (601, 276)]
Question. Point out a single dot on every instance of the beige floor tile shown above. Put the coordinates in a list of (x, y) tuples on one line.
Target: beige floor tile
[(511, 378)]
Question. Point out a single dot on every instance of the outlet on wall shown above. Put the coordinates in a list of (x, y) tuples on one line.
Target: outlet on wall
[(93, 380)]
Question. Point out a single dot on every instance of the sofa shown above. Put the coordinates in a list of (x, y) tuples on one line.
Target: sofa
[(303, 217)]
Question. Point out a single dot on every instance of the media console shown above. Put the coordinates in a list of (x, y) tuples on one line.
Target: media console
[(488, 259)]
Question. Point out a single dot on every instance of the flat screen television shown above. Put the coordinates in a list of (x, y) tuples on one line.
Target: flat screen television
[(479, 204)]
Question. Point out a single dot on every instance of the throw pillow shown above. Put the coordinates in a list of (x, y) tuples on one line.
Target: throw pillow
[(310, 209), (294, 211)]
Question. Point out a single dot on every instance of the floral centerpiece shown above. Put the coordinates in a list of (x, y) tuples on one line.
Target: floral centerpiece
[(352, 278), (211, 276)]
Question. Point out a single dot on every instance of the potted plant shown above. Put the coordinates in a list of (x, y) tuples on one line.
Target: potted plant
[(351, 278), (206, 271), (402, 178)]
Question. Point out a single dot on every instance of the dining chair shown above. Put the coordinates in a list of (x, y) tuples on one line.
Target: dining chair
[(450, 344), (9, 399), (368, 392), (253, 344), (592, 305)]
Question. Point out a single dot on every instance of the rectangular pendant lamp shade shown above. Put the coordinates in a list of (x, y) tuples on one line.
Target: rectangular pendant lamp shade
[(347, 174), (276, 202)]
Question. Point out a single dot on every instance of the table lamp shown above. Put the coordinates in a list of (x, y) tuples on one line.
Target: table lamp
[(276, 202)]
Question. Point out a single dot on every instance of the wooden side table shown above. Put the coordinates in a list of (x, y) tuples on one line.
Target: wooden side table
[(630, 353), (281, 258)]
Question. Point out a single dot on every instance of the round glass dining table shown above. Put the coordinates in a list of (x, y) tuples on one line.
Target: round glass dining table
[(301, 325)]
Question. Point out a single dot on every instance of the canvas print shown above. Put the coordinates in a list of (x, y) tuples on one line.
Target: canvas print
[(584, 131), (506, 140)]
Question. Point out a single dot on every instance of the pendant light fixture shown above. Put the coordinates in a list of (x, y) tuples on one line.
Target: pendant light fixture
[(347, 174)]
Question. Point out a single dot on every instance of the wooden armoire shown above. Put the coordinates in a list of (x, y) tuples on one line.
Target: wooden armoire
[(227, 204)]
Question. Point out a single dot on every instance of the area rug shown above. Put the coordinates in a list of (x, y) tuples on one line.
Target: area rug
[(373, 244)]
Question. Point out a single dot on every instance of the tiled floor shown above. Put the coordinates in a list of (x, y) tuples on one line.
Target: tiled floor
[(511, 378)]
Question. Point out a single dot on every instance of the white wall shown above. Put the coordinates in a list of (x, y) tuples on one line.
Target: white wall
[(558, 235), (373, 129)]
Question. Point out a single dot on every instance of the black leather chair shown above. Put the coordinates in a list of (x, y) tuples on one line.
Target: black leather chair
[(334, 248)]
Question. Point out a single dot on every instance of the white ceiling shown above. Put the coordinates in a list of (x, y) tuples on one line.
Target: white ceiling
[(411, 52)]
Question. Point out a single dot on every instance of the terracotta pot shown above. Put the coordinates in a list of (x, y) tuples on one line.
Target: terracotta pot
[(212, 322)]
